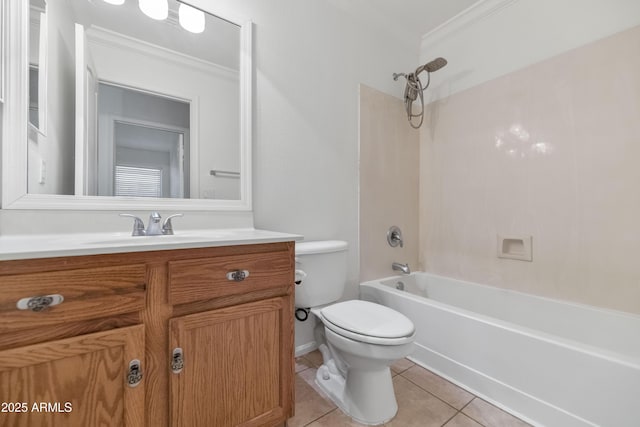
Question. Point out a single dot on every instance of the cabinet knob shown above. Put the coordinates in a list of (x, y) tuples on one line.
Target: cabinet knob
[(238, 275), (177, 361), (39, 303), (134, 376)]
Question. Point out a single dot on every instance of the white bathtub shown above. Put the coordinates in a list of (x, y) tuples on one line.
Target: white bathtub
[(549, 362)]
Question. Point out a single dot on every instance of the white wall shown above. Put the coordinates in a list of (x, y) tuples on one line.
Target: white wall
[(310, 58), (496, 37)]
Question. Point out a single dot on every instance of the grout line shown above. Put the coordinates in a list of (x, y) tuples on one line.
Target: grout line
[(297, 372), (434, 395), (452, 417), (400, 372), (468, 403), (469, 416), (321, 416)]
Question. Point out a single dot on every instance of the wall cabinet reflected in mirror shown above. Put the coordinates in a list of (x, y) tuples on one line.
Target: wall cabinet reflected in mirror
[(124, 105)]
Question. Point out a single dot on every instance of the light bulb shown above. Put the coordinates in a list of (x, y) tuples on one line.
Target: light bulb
[(116, 2), (155, 9), (191, 18)]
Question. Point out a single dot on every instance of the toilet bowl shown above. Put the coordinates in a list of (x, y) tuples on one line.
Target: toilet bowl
[(358, 340), (362, 340)]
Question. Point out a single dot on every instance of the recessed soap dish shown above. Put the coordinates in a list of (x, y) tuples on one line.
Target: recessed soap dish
[(515, 247)]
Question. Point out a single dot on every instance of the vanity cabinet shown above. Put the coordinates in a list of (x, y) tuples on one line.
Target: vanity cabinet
[(204, 336), (236, 363), (73, 382)]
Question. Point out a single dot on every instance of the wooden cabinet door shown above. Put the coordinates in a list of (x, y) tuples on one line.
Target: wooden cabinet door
[(80, 381), (238, 366)]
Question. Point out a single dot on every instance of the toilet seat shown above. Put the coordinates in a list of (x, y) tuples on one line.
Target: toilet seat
[(368, 322)]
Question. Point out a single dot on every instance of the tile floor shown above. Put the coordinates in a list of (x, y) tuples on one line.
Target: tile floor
[(424, 400)]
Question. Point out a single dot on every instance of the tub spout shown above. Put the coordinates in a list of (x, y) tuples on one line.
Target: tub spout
[(404, 268)]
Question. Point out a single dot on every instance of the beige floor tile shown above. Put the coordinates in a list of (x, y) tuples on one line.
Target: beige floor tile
[(303, 363), (309, 376), (401, 365), (438, 386), (309, 404), (461, 420), (335, 418), (491, 416), (418, 408), (315, 357)]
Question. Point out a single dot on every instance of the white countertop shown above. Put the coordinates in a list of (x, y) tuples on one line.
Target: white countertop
[(14, 247)]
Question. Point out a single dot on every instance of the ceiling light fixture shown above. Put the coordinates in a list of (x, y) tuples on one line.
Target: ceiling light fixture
[(155, 9), (191, 19), (116, 2)]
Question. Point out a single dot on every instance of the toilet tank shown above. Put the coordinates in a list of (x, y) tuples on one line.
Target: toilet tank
[(321, 266)]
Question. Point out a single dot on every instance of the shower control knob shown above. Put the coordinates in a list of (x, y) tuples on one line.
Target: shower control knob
[(394, 236)]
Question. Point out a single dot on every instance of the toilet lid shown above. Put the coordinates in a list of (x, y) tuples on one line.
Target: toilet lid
[(368, 320)]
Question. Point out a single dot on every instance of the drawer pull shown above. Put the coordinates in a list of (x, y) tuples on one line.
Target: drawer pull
[(238, 275), (177, 361), (134, 376), (40, 302)]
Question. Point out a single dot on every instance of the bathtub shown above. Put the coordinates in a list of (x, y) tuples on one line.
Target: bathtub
[(549, 362)]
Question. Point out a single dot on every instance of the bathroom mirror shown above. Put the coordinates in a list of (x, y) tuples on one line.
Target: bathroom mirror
[(141, 112)]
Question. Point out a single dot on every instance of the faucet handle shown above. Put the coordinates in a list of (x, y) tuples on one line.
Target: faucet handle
[(394, 237), (167, 227), (138, 225)]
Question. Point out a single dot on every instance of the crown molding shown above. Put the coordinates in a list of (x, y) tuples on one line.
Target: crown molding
[(471, 15), (106, 37)]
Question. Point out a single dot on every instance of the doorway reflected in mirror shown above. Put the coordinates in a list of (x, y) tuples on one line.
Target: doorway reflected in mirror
[(142, 139)]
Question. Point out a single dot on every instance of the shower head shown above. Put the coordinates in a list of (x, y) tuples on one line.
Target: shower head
[(431, 66), (414, 88)]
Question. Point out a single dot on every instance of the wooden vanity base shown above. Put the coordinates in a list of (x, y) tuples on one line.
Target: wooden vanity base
[(76, 359)]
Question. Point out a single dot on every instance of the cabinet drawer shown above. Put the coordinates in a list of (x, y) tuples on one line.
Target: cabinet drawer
[(206, 278), (88, 293)]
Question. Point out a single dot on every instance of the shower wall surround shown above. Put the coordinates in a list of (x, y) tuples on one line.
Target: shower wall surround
[(549, 151), (388, 184)]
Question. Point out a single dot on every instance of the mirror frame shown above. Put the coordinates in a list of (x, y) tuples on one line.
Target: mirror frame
[(15, 132), (3, 50)]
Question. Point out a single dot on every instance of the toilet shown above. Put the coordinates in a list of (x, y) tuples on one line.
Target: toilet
[(358, 340)]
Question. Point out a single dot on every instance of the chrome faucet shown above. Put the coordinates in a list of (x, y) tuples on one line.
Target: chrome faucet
[(404, 268), (154, 228)]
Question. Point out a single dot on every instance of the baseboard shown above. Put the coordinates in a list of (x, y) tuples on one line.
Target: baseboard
[(514, 401), (305, 348)]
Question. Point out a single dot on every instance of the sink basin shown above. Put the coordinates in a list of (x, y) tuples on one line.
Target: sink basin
[(137, 240), (119, 239)]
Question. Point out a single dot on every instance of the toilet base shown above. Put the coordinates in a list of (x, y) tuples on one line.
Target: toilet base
[(366, 396)]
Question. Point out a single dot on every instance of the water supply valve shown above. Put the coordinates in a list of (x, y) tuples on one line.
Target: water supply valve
[(302, 314)]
